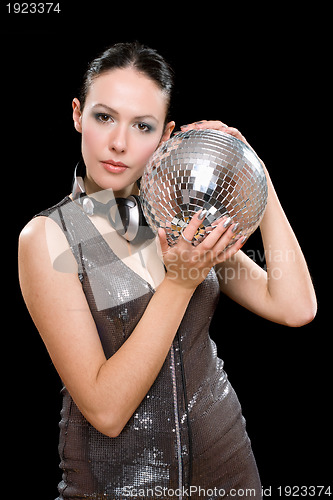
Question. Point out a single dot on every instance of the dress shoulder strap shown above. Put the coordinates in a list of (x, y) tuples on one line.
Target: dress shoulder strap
[(76, 226)]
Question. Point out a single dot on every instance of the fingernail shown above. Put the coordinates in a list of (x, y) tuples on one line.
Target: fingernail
[(243, 240), (203, 214), (227, 222), (183, 126), (236, 226)]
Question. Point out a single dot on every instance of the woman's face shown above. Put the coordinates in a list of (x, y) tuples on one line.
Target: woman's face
[(122, 124)]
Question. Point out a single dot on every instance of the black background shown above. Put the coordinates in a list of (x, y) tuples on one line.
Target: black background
[(259, 69)]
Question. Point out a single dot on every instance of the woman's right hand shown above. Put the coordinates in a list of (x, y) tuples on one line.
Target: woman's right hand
[(188, 265)]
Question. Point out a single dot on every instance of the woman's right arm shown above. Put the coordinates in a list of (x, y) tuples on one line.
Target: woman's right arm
[(108, 391)]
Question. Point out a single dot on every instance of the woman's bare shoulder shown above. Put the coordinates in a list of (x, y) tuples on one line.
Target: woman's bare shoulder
[(33, 230), (41, 238)]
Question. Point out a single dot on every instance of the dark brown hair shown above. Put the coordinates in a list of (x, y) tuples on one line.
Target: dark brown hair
[(131, 54)]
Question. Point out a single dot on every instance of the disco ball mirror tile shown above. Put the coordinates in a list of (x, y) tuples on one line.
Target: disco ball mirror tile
[(203, 169)]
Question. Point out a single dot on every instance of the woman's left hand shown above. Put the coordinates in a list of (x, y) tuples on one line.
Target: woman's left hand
[(215, 125)]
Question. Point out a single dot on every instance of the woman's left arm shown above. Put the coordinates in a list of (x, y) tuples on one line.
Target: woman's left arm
[(284, 293)]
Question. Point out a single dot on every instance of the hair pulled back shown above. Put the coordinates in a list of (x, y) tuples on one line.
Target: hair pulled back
[(137, 56)]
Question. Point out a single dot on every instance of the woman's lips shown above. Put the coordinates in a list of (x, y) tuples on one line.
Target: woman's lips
[(115, 167)]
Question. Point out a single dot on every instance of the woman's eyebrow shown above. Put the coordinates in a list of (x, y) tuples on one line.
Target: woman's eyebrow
[(114, 112)]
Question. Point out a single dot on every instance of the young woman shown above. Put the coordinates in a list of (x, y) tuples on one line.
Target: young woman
[(148, 410)]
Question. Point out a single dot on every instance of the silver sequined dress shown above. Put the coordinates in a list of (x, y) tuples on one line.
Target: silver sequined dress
[(187, 439)]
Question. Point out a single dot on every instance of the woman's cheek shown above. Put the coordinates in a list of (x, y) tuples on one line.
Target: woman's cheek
[(145, 151), (91, 140)]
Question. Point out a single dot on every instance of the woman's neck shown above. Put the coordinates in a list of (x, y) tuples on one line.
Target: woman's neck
[(103, 195)]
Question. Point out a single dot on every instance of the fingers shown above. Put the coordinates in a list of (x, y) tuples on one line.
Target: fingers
[(205, 124), (236, 133), (191, 229), (220, 244), (214, 125), (188, 232), (218, 231), (220, 237), (230, 251), (163, 241), (188, 265)]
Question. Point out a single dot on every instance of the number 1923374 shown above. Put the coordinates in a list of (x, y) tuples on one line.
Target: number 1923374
[(33, 8)]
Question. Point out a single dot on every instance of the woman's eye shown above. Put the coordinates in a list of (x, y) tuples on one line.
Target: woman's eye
[(144, 127), (102, 117)]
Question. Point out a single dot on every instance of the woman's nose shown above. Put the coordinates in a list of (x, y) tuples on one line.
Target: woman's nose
[(118, 140)]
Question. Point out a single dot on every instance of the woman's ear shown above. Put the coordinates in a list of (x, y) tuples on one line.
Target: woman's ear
[(167, 132), (77, 115)]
